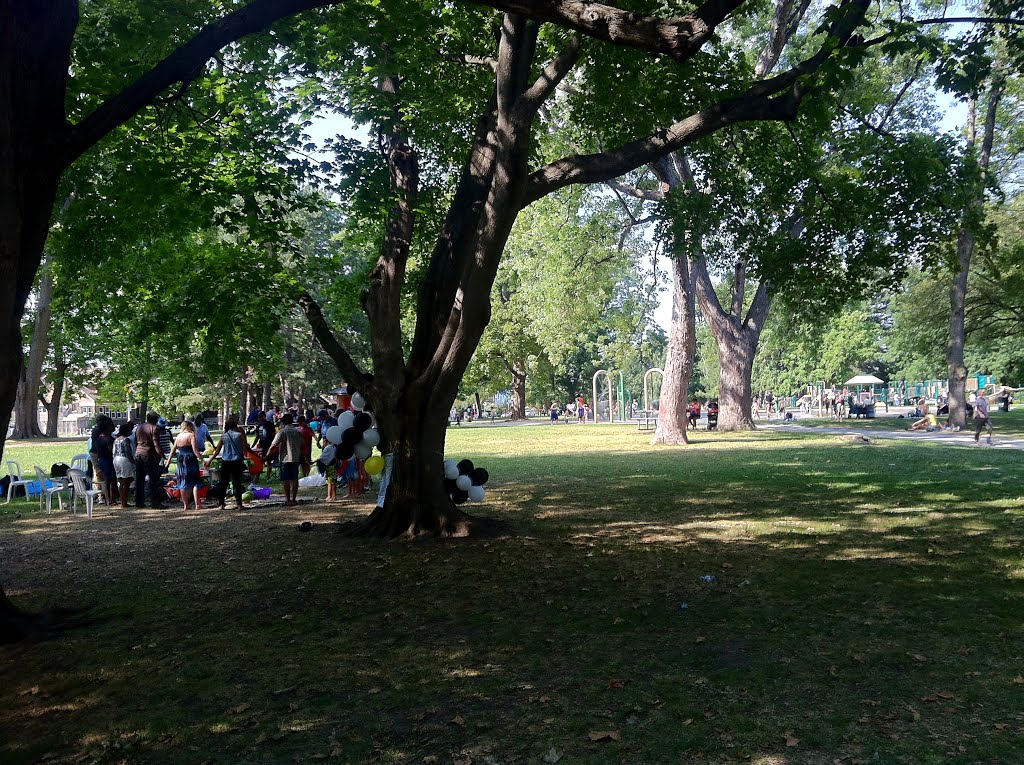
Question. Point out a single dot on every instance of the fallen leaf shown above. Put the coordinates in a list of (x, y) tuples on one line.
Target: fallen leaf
[(458, 720), (940, 695), (604, 735), (430, 758), (544, 699), (240, 708), (552, 756), (914, 712), (700, 639), (1019, 679), (791, 740), (688, 721), (615, 684), (726, 565), (374, 690), (462, 760)]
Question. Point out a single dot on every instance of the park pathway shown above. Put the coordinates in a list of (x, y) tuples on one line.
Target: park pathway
[(963, 438)]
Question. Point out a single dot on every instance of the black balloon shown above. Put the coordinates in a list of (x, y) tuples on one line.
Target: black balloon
[(345, 451), (351, 436), (361, 422), (465, 467), (449, 485), (459, 496), (479, 476)]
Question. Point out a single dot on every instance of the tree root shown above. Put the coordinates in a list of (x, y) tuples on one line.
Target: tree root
[(400, 523)]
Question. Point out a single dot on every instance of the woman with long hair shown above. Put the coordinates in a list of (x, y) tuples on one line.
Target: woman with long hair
[(187, 450)]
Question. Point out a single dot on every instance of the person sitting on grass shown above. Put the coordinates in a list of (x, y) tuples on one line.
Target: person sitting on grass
[(928, 422)]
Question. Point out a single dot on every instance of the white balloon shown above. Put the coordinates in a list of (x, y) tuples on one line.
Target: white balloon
[(363, 450), (345, 419), (371, 437), (464, 482), (334, 434), (358, 402), (451, 469), (476, 493)]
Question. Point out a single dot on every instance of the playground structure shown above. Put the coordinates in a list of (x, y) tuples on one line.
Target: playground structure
[(647, 379)]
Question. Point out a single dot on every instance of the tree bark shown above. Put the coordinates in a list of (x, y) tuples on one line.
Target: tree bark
[(682, 342), (35, 46), (957, 383), (518, 392), (26, 406), (736, 337), (57, 394)]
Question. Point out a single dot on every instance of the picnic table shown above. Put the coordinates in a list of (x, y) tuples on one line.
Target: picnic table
[(646, 419)]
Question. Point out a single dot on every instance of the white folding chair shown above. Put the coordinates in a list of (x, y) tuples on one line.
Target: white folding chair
[(17, 479), (80, 462), (48, 487), (80, 490)]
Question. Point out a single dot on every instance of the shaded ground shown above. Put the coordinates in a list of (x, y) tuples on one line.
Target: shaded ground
[(866, 608)]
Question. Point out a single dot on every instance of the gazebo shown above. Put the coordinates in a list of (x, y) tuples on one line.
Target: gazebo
[(862, 407)]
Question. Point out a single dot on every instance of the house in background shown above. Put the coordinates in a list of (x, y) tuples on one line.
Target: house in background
[(78, 416)]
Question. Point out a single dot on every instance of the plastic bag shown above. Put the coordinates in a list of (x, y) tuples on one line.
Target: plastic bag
[(312, 481)]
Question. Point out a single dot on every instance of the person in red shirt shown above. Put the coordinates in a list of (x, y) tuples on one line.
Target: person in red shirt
[(307, 445), (694, 414)]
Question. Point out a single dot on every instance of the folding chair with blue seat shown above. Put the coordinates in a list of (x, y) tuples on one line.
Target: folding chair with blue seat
[(14, 473)]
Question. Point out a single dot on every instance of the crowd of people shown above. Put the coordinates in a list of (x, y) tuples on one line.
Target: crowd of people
[(144, 453)]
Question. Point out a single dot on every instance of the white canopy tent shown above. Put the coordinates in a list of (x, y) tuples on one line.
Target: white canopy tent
[(864, 380)]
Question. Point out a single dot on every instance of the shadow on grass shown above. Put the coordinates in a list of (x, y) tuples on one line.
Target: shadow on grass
[(865, 607)]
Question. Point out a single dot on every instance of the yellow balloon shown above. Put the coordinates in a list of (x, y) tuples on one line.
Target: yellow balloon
[(374, 465)]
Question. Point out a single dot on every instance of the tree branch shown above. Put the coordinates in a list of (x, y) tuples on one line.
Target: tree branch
[(467, 58), (776, 98), (553, 74), (970, 20), (183, 66), (679, 38), (628, 190), (327, 339)]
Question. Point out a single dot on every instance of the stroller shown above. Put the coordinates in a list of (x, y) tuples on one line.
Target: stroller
[(712, 415)]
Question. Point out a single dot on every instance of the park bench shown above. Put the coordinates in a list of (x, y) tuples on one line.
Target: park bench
[(646, 419)]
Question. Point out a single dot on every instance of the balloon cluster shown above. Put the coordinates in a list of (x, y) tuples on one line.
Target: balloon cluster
[(355, 436), (464, 482)]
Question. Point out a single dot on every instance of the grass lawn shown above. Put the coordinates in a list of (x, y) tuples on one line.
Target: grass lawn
[(867, 608)]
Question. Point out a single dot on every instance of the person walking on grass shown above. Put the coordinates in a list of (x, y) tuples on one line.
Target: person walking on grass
[(982, 420), (287, 444)]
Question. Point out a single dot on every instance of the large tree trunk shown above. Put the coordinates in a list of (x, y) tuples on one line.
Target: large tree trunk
[(737, 337), (26, 402), (35, 45), (57, 394), (672, 411), (417, 501), (957, 383), (736, 351), (518, 391)]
